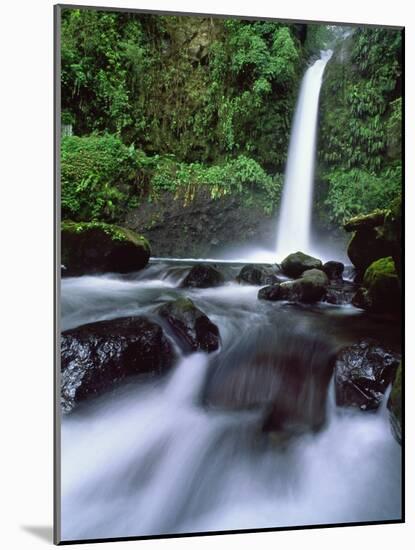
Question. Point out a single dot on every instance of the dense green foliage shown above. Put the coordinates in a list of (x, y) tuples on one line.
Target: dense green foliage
[(201, 89), (92, 171), (101, 178), (166, 103), (360, 136)]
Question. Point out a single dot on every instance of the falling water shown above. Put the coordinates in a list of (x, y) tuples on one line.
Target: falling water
[(295, 214)]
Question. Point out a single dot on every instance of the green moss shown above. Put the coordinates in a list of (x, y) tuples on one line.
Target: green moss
[(380, 272), (116, 232), (374, 219), (381, 281)]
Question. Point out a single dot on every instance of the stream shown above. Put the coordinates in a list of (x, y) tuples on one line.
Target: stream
[(154, 456)]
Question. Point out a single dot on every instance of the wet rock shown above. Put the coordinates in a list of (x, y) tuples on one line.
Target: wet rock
[(363, 372), (95, 247), (295, 264), (96, 356), (340, 293), (334, 270), (257, 275), (309, 288), (271, 293), (193, 329), (282, 372), (361, 299), (395, 405), (202, 276)]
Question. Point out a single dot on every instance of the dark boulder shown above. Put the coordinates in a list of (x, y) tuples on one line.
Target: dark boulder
[(366, 221), (278, 370), (363, 372), (334, 270), (95, 247), (392, 231), (295, 264), (366, 246), (395, 405), (193, 329), (202, 276), (309, 288), (271, 293), (380, 292), (257, 275), (97, 355)]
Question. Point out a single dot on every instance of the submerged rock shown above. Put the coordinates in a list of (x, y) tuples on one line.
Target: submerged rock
[(95, 247), (202, 276), (334, 270), (295, 264), (194, 330), (363, 372), (257, 275), (395, 405), (281, 372), (97, 355)]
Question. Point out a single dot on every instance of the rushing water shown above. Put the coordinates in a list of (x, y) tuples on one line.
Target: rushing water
[(153, 457), (293, 231)]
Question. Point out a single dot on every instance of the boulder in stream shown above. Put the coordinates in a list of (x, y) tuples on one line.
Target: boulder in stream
[(254, 274), (369, 240), (282, 372), (96, 356), (309, 288), (96, 247), (193, 329), (334, 270), (203, 276), (295, 264), (363, 372), (380, 292)]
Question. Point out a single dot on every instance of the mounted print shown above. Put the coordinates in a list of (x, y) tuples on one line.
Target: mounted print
[(229, 274)]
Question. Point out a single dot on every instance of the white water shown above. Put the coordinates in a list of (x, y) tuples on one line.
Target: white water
[(149, 458), (293, 231)]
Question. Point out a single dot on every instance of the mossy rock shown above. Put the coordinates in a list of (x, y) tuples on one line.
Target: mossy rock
[(96, 247), (295, 264), (393, 233), (309, 288), (367, 221), (382, 285), (395, 405), (366, 246)]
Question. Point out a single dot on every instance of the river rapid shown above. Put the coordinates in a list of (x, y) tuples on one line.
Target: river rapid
[(153, 457)]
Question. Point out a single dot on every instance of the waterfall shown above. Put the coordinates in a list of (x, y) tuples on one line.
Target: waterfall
[(293, 232)]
